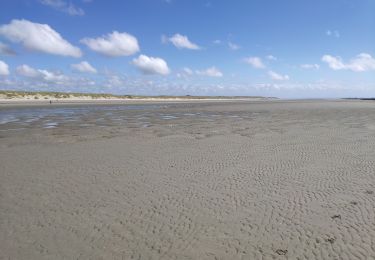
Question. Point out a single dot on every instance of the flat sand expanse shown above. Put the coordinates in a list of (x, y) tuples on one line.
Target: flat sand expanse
[(231, 180), (6, 102)]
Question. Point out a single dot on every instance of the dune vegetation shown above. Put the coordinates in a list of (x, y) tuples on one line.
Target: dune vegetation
[(40, 95)]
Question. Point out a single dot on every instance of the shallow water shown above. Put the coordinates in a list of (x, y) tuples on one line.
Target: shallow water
[(17, 119)]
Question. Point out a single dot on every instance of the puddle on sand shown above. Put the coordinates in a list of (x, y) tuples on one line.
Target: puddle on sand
[(8, 119), (15, 119), (168, 117), (50, 125)]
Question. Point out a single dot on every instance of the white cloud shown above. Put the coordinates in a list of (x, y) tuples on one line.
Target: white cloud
[(114, 81), (38, 37), (188, 71), (256, 62), (27, 71), (271, 57), (185, 73), (310, 66), (334, 33), (5, 50), (63, 6), (362, 62), (4, 68), (211, 72), (217, 42), (45, 75), (334, 63), (84, 66), (233, 46), (276, 76), (151, 65), (52, 76), (181, 42), (114, 44)]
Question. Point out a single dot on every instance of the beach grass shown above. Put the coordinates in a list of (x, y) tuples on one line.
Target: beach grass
[(12, 95)]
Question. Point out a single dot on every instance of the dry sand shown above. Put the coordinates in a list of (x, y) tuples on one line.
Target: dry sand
[(266, 180), (39, 99)]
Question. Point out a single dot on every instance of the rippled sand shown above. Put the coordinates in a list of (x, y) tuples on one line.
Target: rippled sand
[(261, 180)]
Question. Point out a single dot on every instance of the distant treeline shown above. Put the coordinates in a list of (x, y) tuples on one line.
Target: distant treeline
[(372, 98)]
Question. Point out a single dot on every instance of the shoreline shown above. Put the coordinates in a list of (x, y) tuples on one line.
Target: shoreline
[(29, 102), (4, 103)]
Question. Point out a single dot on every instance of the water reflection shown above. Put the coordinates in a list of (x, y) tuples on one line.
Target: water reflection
[(16, 119)]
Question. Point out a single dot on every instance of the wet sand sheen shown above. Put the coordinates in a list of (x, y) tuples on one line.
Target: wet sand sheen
[(233, 180)]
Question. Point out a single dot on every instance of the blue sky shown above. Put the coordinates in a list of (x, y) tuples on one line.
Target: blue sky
[(292, 48)]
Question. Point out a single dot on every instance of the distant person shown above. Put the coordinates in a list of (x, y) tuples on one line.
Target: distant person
[(50, 101)]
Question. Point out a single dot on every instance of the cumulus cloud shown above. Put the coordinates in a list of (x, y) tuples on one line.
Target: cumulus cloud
[(114, 81), (310, 66), (27, 71), (334, 63), (63, 6), (185, 73), (233, 46), (151, 65), (256, 62), (362, 62), (271, 57), (275, 76), (210, 72), (181, 42), (5, 50), (188, 71), (53, 76), (45, 75), (84, 66), (114, 44), (4, 68), (38, 37)]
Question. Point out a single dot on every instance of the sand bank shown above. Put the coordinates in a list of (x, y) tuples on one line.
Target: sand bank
[(264, 180)]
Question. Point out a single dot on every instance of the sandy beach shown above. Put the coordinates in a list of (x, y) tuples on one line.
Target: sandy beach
[(204, 180)]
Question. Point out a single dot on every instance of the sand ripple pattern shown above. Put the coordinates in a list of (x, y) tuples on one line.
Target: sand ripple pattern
[(265, 180)]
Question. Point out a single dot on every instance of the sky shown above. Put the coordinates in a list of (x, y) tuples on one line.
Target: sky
[(287, 49)]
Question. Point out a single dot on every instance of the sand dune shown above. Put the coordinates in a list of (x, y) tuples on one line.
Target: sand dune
[(234, 180)]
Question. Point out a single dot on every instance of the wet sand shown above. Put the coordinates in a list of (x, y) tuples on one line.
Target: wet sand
[(218, 180)]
